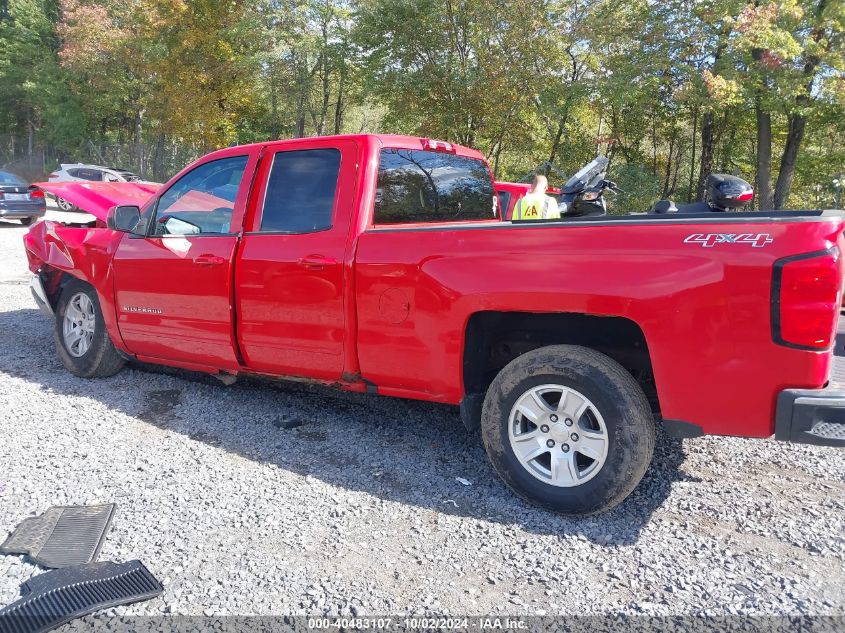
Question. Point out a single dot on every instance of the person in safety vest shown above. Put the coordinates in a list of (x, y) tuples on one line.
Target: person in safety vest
[(536, 205)]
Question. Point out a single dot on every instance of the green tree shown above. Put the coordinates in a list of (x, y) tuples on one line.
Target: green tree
[(29, 73)]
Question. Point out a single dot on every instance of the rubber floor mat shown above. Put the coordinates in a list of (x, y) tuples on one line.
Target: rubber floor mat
[(59, 596), (62, 536)]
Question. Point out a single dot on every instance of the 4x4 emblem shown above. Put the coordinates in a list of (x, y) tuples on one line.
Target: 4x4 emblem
[(709, 240)]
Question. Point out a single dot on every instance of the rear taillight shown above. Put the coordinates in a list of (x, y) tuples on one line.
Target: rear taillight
[(55, 174), (805, 299), (36, 193)]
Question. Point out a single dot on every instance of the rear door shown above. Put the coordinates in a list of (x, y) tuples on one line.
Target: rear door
[(173, 286), (290, 271)]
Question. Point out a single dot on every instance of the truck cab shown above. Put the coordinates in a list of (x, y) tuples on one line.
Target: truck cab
[(247, 258)]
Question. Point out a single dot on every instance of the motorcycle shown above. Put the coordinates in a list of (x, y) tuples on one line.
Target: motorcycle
[(583, 194), (724, 193)]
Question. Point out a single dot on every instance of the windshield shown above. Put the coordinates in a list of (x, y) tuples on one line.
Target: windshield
[(586, 174), (10, 179)]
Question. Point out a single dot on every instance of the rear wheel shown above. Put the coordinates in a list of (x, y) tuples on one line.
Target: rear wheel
[(26, 221), (569, 429), (64, 205), (82, 342)]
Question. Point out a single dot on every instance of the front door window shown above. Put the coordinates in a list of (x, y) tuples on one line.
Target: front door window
[(202, 201)]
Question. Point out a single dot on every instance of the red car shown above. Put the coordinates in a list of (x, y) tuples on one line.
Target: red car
[(508, 193), (378, 264)]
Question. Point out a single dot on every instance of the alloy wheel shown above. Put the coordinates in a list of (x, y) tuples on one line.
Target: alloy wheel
[(78, 324), (558, 435)]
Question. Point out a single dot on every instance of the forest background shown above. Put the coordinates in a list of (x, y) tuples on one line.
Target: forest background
[(669, 90)]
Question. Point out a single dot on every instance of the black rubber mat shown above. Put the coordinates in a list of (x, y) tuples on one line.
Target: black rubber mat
[(62, 536), (59, 596)]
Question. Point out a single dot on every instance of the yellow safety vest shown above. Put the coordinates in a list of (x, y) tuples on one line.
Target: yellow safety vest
[(535, 206)]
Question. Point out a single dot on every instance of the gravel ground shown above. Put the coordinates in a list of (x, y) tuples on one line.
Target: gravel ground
[(279, 499)]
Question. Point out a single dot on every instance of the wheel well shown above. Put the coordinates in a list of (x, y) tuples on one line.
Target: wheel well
[(493, 339), (54, 280)]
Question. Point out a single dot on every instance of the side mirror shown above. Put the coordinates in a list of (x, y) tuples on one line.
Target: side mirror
[(124, 218)]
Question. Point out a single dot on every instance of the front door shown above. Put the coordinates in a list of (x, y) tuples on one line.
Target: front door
[(290, 272), (173, 286)]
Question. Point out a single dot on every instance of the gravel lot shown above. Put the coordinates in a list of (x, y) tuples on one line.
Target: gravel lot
[(279, 499)]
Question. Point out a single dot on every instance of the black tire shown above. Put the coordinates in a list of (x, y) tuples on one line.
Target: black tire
[(26, 221), (101, 360), (628, 419), (64, 205)]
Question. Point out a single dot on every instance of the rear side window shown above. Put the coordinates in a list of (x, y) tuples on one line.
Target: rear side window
[(89, 174), (423, 186), (301, 191)]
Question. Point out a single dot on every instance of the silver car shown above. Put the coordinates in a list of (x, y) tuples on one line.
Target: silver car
[(20, 201), (69, 172)]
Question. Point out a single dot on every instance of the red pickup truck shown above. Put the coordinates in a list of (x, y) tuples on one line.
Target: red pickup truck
[(378, 264)]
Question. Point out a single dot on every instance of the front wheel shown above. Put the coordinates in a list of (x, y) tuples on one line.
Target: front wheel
[(569, 429), (82, 342)]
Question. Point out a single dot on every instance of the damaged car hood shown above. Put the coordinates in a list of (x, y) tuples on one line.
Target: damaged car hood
[(97, 198)]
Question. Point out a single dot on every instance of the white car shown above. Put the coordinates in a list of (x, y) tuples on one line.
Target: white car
[(69, 172)]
